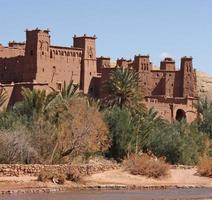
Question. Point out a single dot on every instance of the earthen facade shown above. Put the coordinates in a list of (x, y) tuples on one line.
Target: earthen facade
[(38, 64)]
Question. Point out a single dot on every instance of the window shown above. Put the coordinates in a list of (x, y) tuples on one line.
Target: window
[(42, 52), (42, 69), (50, 54), (59, 86), (31, 52), (54, 69)]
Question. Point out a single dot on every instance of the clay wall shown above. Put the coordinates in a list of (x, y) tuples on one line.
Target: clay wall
[(35, 169), (168, 111), (102, 62), (61, 64)]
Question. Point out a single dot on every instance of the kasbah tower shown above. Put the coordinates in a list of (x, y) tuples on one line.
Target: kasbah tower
[(37, 64)]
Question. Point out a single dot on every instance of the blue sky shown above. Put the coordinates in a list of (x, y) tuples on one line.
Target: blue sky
[(123, 27)]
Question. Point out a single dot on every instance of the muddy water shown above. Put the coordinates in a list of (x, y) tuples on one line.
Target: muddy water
[(118, 195)]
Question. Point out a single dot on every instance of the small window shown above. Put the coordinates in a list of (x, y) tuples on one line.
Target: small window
[(54, 69), (144, 83), (43, 70), (90, 73), (170, 75), (50, 54), (59, 86), (31, 52), (42, 52)]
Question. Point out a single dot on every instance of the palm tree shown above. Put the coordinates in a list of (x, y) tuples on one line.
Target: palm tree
[(122, 89), (144, 125), (67, 93), (3, 96), (35, 102)]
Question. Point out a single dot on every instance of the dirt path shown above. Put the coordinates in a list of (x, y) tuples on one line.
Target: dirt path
[(177, 178)]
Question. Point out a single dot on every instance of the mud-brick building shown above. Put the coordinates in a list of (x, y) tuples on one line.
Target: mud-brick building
[(38, 64)]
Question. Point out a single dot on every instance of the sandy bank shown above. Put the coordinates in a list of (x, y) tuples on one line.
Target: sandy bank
[(113, 179)]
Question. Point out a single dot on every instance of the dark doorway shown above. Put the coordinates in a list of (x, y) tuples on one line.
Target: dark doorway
[(180, 114)]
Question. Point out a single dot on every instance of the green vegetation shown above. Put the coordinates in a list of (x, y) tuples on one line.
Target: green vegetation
[(59, 126)]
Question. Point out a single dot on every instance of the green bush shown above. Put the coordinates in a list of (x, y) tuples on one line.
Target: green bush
[(121, 132), (179, 142)]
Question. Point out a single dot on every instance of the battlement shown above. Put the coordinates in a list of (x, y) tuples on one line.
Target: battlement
[(85, 37), (167, 64), (37, 30)]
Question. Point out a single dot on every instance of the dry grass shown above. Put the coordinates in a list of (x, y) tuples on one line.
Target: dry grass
[(147, 166), (52, 175), (73, 174), (59, 177), (204, 167)]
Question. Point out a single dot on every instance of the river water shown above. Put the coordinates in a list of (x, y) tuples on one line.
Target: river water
[(192, 193)]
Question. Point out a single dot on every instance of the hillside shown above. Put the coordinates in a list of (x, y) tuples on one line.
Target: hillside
[(204, 84)]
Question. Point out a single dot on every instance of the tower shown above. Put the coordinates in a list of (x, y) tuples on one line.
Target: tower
[(188, 77), (143, 66), (36, 53), (168, 64), (89, 68), (168, 84)]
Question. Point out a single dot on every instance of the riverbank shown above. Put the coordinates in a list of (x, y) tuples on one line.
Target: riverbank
[(115, 179)]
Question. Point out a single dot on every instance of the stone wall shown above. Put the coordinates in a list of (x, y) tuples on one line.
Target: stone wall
[(34, 170)]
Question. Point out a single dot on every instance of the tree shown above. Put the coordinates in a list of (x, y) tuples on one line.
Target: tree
[(82, 130), (35, 103), (204, 107), (144, 124), (179, 143), (68, 92), (3, 96), (122, 89), (16, 147), (120, 123)]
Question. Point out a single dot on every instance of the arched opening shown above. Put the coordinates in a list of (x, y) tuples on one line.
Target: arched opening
[(180, 114)]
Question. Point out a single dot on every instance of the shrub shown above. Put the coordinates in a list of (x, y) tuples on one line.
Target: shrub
[(179, 142), (16, 147), (147, 166), (204, 167), (52, 175), (121, 132), (73, 174)]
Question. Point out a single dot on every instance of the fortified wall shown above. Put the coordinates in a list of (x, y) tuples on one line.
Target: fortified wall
[(38, 64)]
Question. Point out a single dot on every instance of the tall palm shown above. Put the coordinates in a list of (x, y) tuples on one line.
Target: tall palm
[(144, 125), (68, 92), (35, 102), (122, 89), (3, 96)]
